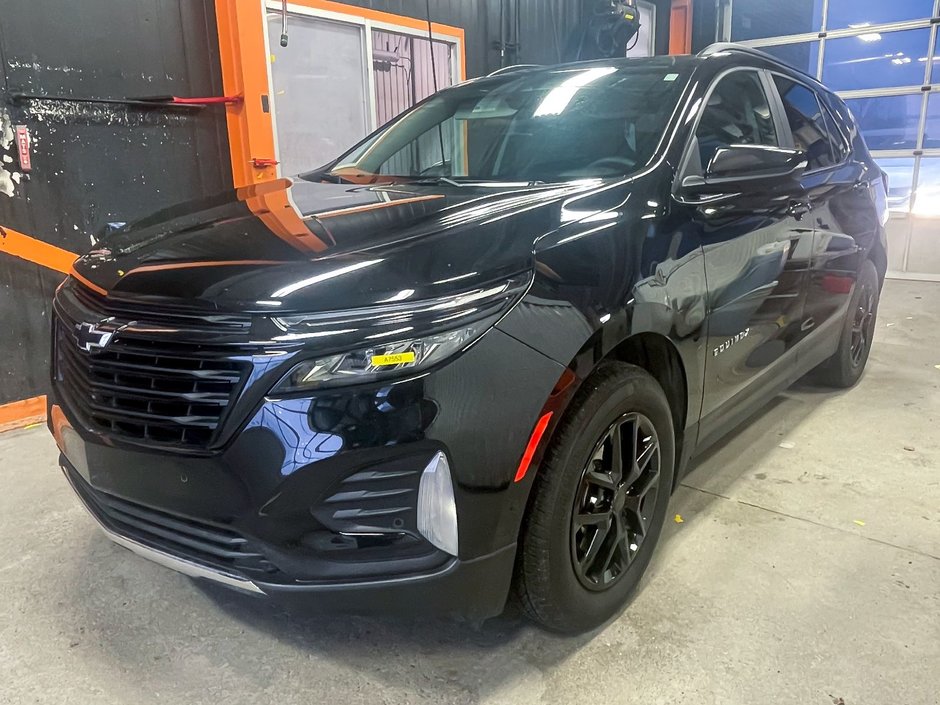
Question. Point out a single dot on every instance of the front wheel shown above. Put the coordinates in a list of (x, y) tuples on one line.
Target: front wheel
[(599, 501), (845, 368)]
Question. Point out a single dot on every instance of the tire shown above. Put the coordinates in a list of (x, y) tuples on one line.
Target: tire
[(557, 583), (846, 366)]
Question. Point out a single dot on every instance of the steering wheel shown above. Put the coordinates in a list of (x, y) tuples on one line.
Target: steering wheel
[(615, 163)]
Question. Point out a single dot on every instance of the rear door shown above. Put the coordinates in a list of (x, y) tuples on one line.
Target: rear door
[(844, 215), (757, 253)]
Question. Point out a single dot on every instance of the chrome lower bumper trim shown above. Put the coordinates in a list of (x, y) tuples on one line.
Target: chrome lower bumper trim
[(181, 565), (167, 560)]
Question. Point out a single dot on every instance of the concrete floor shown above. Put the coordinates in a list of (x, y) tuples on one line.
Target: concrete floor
[(807, 570)]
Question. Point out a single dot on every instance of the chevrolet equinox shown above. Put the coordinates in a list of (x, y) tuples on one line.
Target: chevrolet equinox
[(472, 357)]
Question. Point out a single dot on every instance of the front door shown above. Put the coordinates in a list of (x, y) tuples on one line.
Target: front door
[(757, 252)]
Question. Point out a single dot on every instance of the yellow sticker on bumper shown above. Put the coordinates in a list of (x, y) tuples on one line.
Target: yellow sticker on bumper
[(395, 359)]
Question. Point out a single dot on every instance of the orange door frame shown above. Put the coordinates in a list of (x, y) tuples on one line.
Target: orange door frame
[(245, 61), (680, 27), (25, 412)]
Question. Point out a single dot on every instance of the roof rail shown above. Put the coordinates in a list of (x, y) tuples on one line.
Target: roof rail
[(513, 69), (751, 51)]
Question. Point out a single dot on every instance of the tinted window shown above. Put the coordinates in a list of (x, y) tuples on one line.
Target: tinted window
[(754, 19), (806, 122), (876, 60), (932, 129), (802, 55), (837, 141), (888, 122), (737, 113), (853, 13), (571, 123), (900, 171)]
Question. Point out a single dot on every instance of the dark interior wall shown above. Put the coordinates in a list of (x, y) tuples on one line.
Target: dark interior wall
[(94, 162), (472, 15), (481, 20), (542, 25), (704, 20)]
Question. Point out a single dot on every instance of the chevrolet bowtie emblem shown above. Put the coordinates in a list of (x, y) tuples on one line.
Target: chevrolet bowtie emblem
[(91, 338)]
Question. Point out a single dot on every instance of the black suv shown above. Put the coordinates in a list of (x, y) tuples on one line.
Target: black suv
[(474, 355)]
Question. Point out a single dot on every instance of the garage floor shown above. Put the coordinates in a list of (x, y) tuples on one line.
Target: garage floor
[(806, 570)]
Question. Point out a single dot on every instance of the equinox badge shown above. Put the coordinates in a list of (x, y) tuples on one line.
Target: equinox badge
[(731, 341)]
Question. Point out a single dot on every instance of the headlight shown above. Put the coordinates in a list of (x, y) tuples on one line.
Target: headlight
[(381, 360), (462, 318)]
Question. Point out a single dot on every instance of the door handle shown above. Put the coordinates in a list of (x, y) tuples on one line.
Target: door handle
[(799, 208)]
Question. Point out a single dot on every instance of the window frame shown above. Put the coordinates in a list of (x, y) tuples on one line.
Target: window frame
[(781, 125), (822, 107)]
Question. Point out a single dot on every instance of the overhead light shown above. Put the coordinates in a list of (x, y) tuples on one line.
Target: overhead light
[(870, 37), (860, 25)]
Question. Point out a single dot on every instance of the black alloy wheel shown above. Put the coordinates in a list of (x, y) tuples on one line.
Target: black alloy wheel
[(846, 366), (599, 501), (863, 324), (615, 501)]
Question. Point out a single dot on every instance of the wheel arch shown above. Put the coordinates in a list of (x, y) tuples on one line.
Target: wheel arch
[(653, 352), (879, 258), (656, 354)]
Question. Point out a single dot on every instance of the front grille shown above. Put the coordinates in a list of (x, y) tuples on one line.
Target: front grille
[(204, 543), (157, 392), (153, 384)]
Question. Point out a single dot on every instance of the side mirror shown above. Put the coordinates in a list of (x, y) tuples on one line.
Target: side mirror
[(747, 168)]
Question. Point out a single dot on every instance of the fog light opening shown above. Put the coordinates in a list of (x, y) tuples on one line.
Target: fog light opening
[(437, 510)]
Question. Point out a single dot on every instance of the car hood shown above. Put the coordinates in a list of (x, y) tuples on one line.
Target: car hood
[(295, 245)]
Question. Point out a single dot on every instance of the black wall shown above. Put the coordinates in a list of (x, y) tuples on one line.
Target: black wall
[(94, 162), (536, 34), (704, 22)]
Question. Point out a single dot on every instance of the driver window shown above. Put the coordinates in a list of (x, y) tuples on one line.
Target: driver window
[(737, 112)]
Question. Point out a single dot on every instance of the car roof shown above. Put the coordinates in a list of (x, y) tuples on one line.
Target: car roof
[(719, 56), (663, 62)]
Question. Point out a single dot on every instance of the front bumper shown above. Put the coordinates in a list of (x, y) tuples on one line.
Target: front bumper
[(474, 588), (313, 500)]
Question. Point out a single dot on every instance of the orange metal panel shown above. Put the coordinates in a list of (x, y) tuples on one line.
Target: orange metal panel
[(245, 60), (680, 27), (245, 73), (29, 248), (22, 413)]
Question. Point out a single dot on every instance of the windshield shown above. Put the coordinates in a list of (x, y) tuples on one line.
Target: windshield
[(543, 126)]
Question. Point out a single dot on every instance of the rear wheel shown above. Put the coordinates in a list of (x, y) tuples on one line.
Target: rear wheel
[(845, 368), (599, 501)]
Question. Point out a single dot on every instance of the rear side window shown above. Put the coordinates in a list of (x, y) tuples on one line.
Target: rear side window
[(737, 112), (807, 122), (840, 148)]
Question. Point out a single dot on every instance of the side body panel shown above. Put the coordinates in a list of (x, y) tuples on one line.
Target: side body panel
[(849, 225), (620, 265), (758, 248)]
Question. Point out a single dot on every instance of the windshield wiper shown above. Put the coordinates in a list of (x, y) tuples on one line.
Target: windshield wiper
[(431, 181), (327, 176)]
